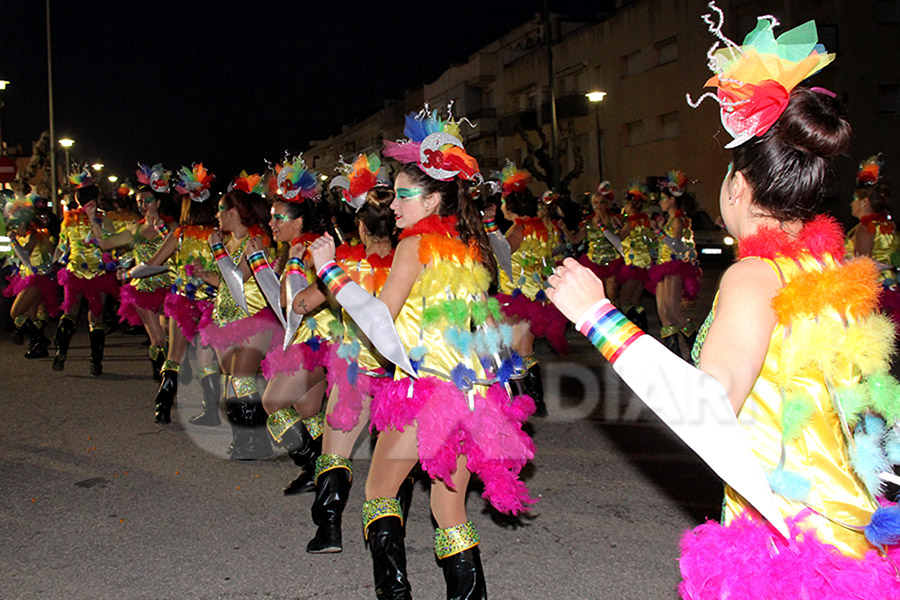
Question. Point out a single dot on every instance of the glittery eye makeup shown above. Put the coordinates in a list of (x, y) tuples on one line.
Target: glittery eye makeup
[(408, 193), (280, 218)]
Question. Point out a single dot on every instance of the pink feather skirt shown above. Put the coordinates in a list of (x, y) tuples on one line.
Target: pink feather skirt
[(189, 315), (545, 320), (690, 276), (306, 355), (355, 390), (629, 272), (491, 436), (749, 560), (46, 285), (236, 333), (131, 298), (601, 271), (91, 289)]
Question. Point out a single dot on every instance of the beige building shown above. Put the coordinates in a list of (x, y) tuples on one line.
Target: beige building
[(646, 56)]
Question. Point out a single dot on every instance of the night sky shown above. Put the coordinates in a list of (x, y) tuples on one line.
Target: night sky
[(203, 81)]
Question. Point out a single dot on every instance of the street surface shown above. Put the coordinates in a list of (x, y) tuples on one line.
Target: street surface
[(98, 501)]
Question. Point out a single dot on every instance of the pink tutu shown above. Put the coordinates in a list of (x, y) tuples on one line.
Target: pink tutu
[(601, 271), (354, 391), (491, 436), (91, 289), (189, 315), (48, 288), (749, 560), (545, 319), (629, 272), (690, 276), (236, 333), (131, 298), (306, 355)]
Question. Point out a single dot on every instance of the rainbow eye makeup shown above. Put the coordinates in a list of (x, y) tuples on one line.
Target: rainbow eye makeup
[(408, 193)]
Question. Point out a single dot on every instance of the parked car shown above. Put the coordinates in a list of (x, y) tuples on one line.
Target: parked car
[(715, 246)]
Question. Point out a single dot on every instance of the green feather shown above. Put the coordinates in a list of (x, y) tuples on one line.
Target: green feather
[(885, 393), (795, 413), (854, 400)]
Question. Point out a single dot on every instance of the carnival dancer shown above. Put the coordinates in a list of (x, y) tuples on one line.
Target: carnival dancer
[(522, 296), (875, 235), (89, 273), (452, 410), (242, 325), (295, 372), (32, 285), (792, 345), (638, 246), (190, 298), (355, 370), (141, 300), (675, 273), (597, 231)]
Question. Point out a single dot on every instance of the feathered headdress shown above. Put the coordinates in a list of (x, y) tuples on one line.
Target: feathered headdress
[(869, 171), (156, 177), (357, 179), (675, 183), (20, 211), (252, 184), (82, 179), (295, 182), (638, 189), (436, 146), (513, 179), (195, 182), (549, 197), (755, 80), (123, 190), (605, 189)]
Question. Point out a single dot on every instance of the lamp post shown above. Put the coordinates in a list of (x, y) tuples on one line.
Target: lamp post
[(67, 143), (596, 98), (3, 84)]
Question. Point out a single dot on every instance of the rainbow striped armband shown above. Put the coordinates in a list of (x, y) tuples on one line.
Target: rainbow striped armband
[(257, 261), (608, 329), (162, 229), (490, 226), (334, 277), (295, 265), (219, 251)]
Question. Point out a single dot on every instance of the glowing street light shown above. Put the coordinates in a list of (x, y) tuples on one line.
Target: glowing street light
[(112, 178), (67, 143), (596, 98), (98, 166)]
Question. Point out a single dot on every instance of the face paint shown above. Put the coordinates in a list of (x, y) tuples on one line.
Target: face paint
[(280, 217), (408, 193)]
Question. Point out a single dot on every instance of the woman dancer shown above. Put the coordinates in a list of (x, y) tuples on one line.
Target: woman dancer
[(295, 373), (637, 252), (141, 300), (675, 273), (792, 345), (602, 255), (190, 298), (456, 416), (875, 235), (32, 286), (242, 327)]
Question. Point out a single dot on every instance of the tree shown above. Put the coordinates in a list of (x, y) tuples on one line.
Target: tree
[(539, 161)]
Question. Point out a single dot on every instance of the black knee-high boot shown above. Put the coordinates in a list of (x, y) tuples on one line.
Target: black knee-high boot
[(64, 332), (250, 441), (38, 342), (533, 385), (384, 535), (333, 480), (98, 343), (457, 552), (168, 389), (157, 358), (303, 442), (209, 406)]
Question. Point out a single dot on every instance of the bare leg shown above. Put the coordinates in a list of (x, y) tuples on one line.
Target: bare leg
[(338, 441), (448, 505), (152, 326), (303, 390), (26, 302), (394, 457)]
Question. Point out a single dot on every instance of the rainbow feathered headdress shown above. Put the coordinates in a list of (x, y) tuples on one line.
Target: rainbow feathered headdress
[(676, 182), (436, 146), (195, 182), (357, 179), (755, 80), (82, 179), (513, 179), (156, 177), (19, 211), (605, 189), (252, 184), (869, 171), (637, 189), (295, 182)]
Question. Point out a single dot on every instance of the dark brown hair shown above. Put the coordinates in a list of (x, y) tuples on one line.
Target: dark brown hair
[(376, 213), (523, 204), (786, 166), (455, 202), (198, 213), (252, 208), (878, 194), (314, 212)]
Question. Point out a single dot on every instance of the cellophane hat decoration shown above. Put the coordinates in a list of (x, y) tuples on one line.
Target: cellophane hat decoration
[(549, 197), (295, 182), (195, 182), (637, 189), (513, 179), (357, 179), (82, 179), (675, 183), (605, 189), (252, 184), (156, 177), (436, 146), (869, 171), (19, 211), (755, 79)]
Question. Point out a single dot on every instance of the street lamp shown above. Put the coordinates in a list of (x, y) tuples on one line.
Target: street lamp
[(98, 166), (67, 143), (112, 178), (3, 84), (596, 98)]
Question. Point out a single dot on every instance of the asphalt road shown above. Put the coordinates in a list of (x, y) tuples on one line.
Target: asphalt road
[(98, 501)]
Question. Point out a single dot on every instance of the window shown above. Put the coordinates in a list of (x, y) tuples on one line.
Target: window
[(668, 125), (631, 64), (888, 99), (634, 133), (666, 51)]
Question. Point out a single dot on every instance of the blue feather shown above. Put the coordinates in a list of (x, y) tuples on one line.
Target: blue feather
[(868, 459), (352, 372), (414, 129), (417, 353), (506, 332), (892, 446), (792, 486), (884, 528), (310, 323), (462, 377)]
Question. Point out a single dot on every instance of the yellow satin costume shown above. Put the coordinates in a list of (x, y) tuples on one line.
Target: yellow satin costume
[(532, 262), (226, 309)]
